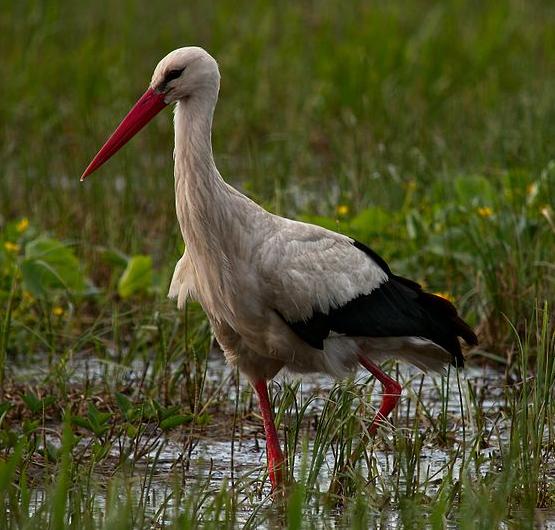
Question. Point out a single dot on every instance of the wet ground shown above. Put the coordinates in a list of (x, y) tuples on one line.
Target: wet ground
[(210, 457)]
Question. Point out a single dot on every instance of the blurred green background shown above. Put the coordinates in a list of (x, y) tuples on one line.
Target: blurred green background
[(426, 129)]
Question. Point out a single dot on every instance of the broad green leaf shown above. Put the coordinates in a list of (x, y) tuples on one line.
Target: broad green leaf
[(165, 412), (132, 431), (84, 423), (175, 421), (50, 265), (113, 257), (38, 278), (137, 277), (371, 220), (124, 403), (472, 190), (100, 451), (96, 417)]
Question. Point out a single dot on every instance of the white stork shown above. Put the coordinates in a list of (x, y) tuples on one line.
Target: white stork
[(281, 293)]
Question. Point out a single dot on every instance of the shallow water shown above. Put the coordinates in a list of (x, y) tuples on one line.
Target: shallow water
[(216, 460)]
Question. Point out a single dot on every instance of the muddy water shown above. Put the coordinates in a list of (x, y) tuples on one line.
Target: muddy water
[(212, 462)]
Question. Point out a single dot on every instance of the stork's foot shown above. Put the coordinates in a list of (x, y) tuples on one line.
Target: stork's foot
[(391, 393), (276, 460)]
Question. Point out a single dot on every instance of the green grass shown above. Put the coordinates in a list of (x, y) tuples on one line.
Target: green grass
[(424, 129)]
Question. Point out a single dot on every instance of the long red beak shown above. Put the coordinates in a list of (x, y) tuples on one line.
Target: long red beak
[(150, 104)]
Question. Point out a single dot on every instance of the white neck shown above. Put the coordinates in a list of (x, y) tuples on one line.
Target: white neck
[(199, 188), (204, 203), (211, 214)]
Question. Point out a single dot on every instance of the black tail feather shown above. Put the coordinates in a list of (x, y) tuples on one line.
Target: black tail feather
[(462, 329), (444, 312)]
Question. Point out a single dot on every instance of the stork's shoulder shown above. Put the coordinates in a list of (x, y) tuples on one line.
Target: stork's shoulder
[(306, 268)]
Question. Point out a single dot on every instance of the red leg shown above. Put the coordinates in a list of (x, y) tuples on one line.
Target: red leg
[(276, 462), (391, 392)]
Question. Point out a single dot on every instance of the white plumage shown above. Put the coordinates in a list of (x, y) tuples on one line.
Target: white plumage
[(279, 292), (247, 267)]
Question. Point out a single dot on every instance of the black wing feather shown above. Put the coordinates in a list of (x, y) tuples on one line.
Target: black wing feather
[(397, 308)]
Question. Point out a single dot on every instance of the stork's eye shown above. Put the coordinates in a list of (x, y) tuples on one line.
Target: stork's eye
[(172, 74)]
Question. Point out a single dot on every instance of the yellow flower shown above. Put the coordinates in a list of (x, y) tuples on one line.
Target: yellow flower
[(546, 211), (22, 225), (532, 189), (342, 210), (57, 311), (411, 185), (485, 211), (11, 247), (445, 295)]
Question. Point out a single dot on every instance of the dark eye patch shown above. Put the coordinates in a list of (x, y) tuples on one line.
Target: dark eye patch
[(172, 74)]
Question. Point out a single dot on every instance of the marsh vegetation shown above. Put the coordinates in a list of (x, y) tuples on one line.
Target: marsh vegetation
[(424, 130)]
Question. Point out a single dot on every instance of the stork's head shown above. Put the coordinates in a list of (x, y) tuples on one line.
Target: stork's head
[(185, 73)]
